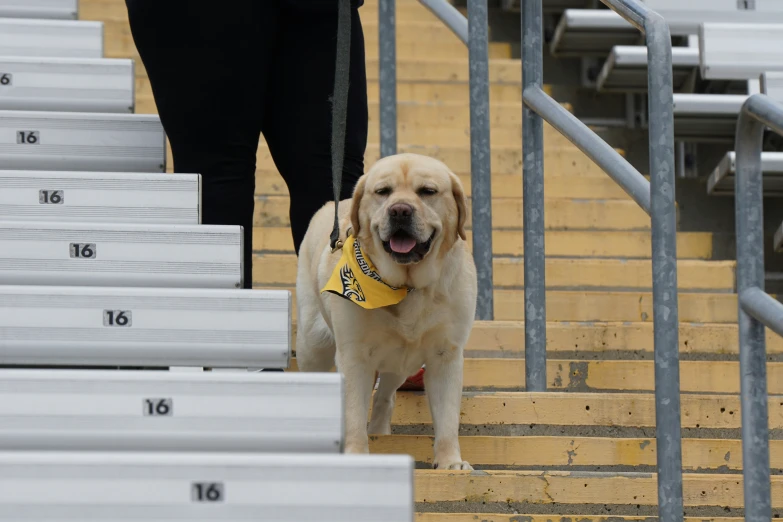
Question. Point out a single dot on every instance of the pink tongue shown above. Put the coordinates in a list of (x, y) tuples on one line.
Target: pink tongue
[(402, 245)]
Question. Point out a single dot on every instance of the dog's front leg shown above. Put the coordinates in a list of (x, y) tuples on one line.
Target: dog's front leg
[(359, 379), (443, 384)]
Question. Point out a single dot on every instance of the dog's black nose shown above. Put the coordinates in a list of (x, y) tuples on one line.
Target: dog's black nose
[(400, 210)]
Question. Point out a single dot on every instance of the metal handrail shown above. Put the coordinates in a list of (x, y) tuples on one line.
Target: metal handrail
[(658, 200), (655, 197), (474, 32), (755, 307)]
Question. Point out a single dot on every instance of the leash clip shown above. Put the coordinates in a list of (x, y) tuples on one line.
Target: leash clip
[(338, 245)]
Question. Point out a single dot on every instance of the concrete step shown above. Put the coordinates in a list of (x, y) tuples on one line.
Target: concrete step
[(608, 341), (607, 306), (405, 11), (561, 214), (443, 45), (501, 374), (566, 161), (118, 43), (269, 183), (597, 492), (504, 71), (575, 452), (515, 517), (598, 340), (563, 243), (446, 92), (410, 91), (563, 273), (582, 409)]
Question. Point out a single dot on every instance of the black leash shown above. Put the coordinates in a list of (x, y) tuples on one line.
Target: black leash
[(340, 110)]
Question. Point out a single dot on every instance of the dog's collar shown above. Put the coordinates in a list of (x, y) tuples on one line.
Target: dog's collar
[(356, 279)]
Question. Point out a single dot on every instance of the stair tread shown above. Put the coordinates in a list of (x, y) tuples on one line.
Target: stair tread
[(616, 409), (565, 452), (714, 377), (580, 488)]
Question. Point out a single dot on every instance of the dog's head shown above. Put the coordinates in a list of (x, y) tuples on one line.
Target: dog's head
[(409, 210)]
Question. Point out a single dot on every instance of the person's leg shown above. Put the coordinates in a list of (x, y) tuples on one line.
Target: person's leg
[(297, 122), (207, 64)]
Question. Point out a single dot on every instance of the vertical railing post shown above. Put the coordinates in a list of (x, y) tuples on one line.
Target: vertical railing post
[(749, 218), (668, 424), (387, 76), (480, 155), (533, 201)]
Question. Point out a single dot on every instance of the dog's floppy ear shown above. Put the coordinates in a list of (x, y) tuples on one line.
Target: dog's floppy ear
[(462, 204), (356, 202)]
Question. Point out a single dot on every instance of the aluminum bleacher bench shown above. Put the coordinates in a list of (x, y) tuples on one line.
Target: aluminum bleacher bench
[(721, 180), (100, 197), (56, 9), (116, 326), (144, 487), (740, 51), (706, 117), (730, 52), (128, 410), (625, 70), (590, 32), (36, 140), (51, 38), (771, 84), (114, 254), (67, 84)]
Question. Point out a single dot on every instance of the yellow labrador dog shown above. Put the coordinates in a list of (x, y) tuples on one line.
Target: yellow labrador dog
[(414, 302)]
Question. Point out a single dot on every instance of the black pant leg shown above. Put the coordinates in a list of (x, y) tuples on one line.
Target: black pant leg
[(297, 122), (208, 64)]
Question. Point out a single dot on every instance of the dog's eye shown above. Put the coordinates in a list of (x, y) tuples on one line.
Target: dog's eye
[(427, 191), (383, 191)]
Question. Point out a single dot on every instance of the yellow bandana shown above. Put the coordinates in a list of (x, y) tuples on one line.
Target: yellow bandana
[(355, 279)]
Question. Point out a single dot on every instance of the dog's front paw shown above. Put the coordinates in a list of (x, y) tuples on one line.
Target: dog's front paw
[(453, 465)]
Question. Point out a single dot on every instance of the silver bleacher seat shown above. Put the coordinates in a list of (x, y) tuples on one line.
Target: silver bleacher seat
[(114, 254), (158, 487), (721, 180), (771, 84), (67, 84), (38, 140), (625, 70), (55, 9), (132, 410), (706, 117), (740, 51), (100, 197), (589, 32), (115, 326), (51, 38)]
